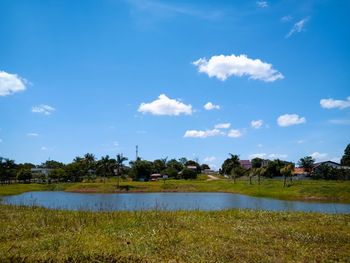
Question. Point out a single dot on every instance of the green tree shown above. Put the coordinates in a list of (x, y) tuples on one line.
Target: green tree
[(205, 166), (229, 164), (24, 175), (7, 169), (188, 174), (159, 165), (173, 163), (141, 170), (257, 162), (345, 160), (59, 174), (119, 165), (193, 163), (287, 171), (307, 163)]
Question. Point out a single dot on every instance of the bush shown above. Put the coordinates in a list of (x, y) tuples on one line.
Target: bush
[(24, 175), (329, 173), (188, 174)]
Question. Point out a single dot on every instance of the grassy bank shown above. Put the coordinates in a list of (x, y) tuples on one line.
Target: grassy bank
[(320, 190), (40, 235), (335, 191)]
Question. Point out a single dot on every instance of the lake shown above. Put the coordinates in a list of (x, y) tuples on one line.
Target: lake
[(166, 201)]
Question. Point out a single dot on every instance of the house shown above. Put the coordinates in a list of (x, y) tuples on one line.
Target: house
[(246, 164), (208, 171), (40, 171), (155, 177), (192, 167), (299, 171), (328, 163)]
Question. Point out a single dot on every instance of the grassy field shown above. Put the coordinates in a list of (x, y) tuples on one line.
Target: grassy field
[(35, 234), (335, 191), (320, 190)]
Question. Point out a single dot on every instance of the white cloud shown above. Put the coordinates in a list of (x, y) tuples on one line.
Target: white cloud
[(223, 67), (223, 125), (331, 103), (165, 106), (262, 4), (256, 124), (297, 27), (11, 83), (202, 134), (287, 18), (209, 159), (44, 109), (300, 141), (234, 133), (257, 155), (340, 121), (290, 119), (335, 159), (32, 134), (277, 156), (260, 145), (319, 156), (44, 148), (116, 144), (211, 106)]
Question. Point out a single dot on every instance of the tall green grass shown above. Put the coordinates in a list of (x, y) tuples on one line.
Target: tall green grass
[(30, 234)]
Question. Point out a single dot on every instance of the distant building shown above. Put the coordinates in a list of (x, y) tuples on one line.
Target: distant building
[(328, 163), (41, 171), (192, 167), (299, 171), (208, 171), (155, 177), (246, 164)]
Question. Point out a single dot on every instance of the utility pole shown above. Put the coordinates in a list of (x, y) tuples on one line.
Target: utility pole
[(137, 152)]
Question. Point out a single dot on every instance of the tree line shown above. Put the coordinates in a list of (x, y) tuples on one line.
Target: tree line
[(88, 167)]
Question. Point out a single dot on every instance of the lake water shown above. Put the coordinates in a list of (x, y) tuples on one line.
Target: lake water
[(166, 201)]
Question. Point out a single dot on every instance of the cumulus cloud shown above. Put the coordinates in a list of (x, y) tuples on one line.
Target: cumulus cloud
[(32, 134), (202, 134), (262, 4), (223, 67), (297, 27), (233, 133), (319, 156), (290, 119), (11, 83), (211, 106), (165, 106), (332, 103), (44, 109), (209, 159), (223, 125), (277, 156), (286, 18), (257, 124), (257, 155)]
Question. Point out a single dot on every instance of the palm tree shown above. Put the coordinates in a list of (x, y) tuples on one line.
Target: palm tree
[(104, 165), (89, 162), (287, 171), (119, 165)]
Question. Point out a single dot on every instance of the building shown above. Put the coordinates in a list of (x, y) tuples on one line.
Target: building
[(208, 171), (246, 164), (299, 171), (328, 163), (155, 177)]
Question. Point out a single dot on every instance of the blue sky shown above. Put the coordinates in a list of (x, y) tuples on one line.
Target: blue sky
[(104, 76)]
